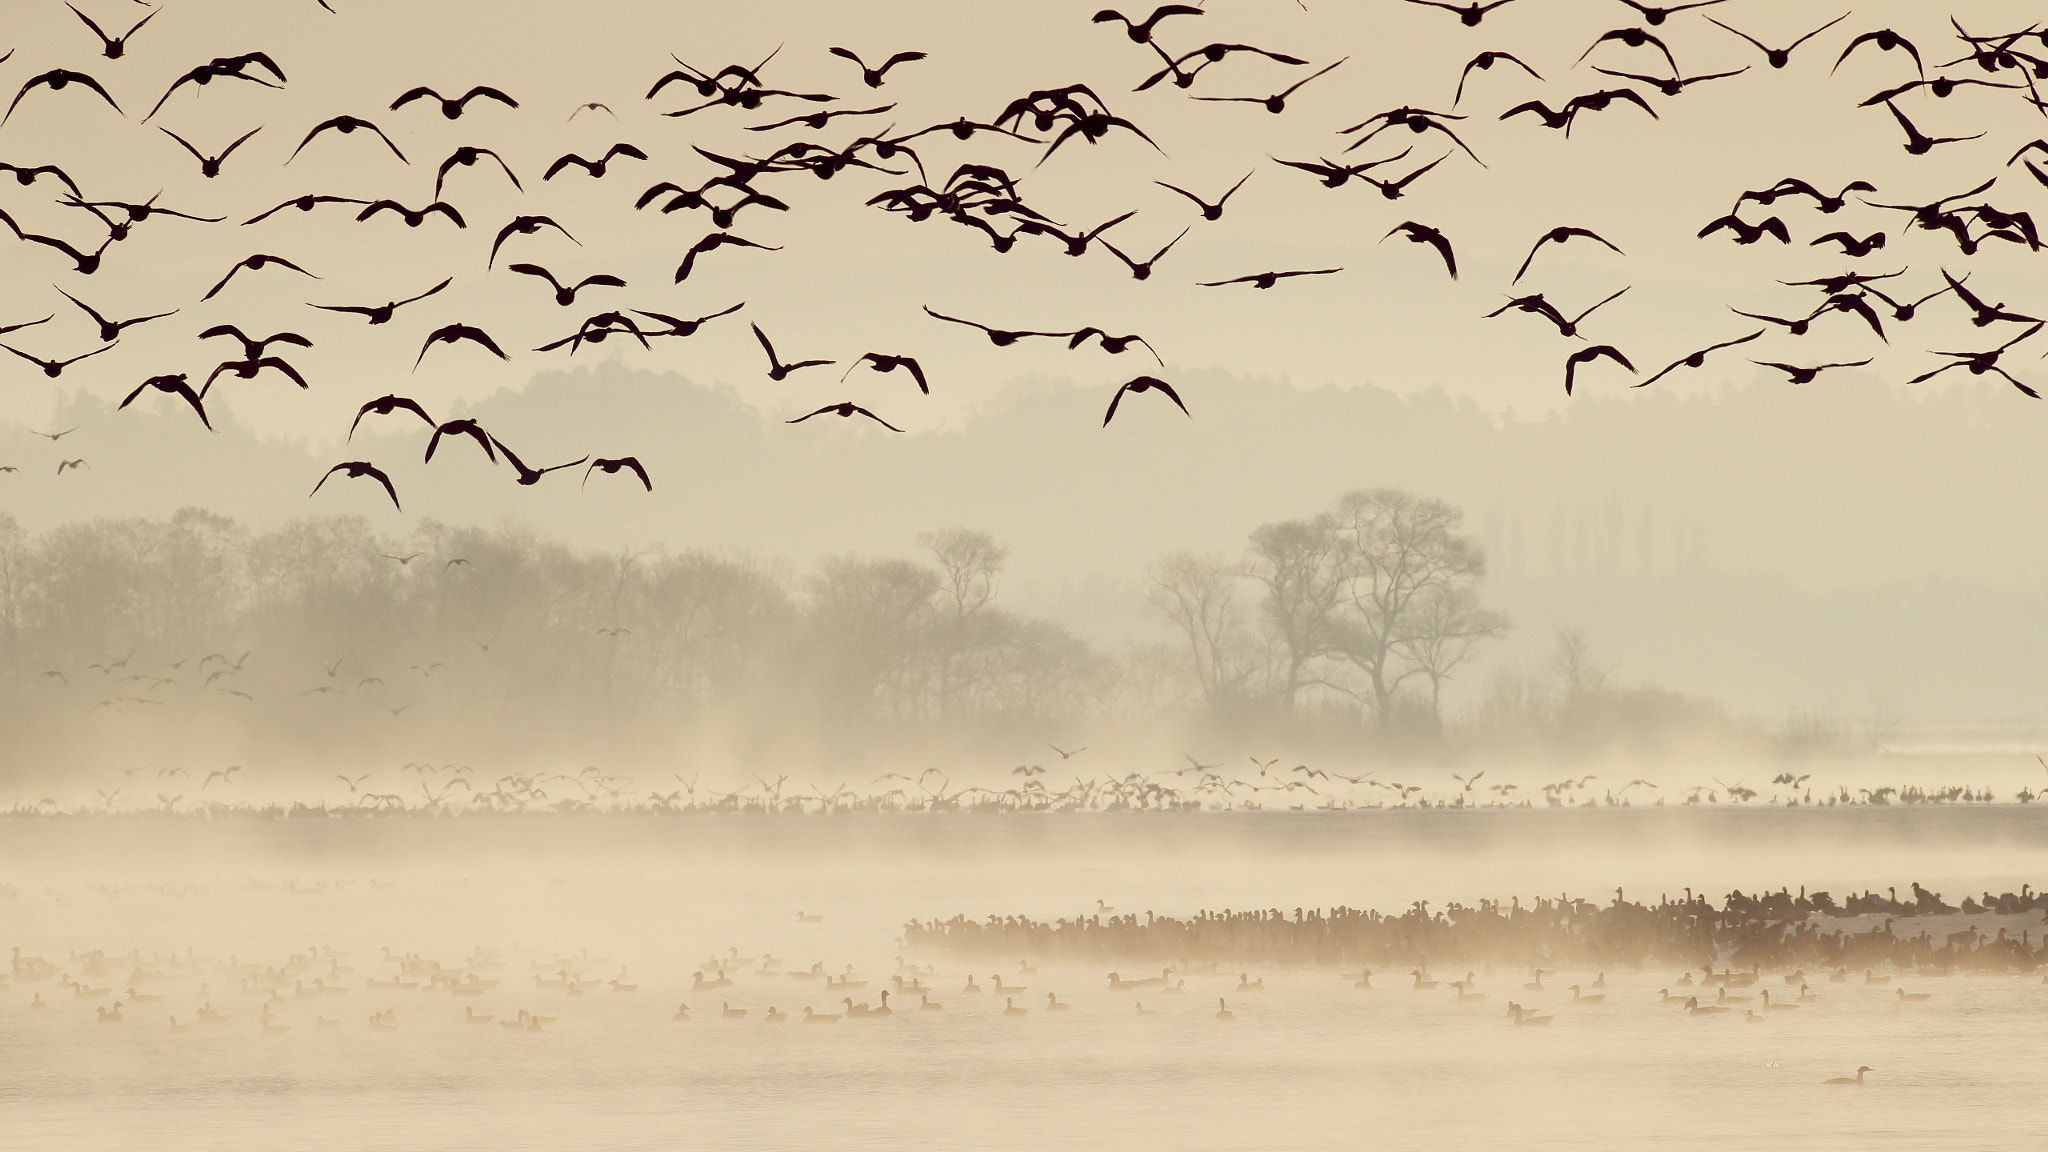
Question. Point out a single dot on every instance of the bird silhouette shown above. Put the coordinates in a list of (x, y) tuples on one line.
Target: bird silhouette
[(1886, 41), (1114, 345), (355, 470), (345, 125), (597, 167), (999, 337), (453, 109), (382, 313), (1851, 246), (881, 362), (1140, 384), (247, 370), (452, 333), (62, 465), (209, 166), (713, 243), (1560, 235), (251, 347), (1142, 270), (1468, 14), (56, 80), (172, 385), (112, 47), (1140, 32), (1828, 205), (1806, 375), (1588, 355), (845, 408), (679, 327), (1485, 62), (1979, 363), (109, 329), (1634, 38), (86, 263), (25, 176), (385, 406), (1209, 211), (1747, 233), (525, 226), (304, 204), (413, 217), (565, 295), (467, 428), (467, 156), (1268, 279), (1654, 16), (1919, 143), (1697, 359), (1670, 85), (1424, 234), (1276, 103), (777, 370), (1779, 57), (531, 476), (53, 368), (254, 263), (223, 68), (873, 77), (611, 467)]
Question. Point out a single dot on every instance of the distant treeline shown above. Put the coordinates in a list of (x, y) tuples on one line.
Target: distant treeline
[(1338, 630)]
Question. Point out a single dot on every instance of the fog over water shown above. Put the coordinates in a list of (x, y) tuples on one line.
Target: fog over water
[(1388, 726)]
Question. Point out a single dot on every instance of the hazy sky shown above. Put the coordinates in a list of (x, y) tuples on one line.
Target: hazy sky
[(850, 278)]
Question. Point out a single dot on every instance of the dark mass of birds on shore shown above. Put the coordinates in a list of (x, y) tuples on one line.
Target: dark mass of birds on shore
[(988, 198)]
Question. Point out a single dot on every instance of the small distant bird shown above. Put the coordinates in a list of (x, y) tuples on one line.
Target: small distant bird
[(64, 464), (453, 109), (845, 408), (356, 469), (1141, 384), (611, 467)]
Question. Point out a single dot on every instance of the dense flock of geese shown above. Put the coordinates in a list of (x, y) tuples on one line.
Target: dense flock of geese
[(1944, 76), (1508, 958), (442, 790)]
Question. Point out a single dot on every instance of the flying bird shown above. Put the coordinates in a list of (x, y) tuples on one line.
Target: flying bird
[(355, 470), (873, 77), (597, 167), (1558, 236), (1747, 233), (453, 109), (304, 204), (1424, 234), (1276, 103), (1140, 32), (385, 406), (713, 243), (80, 463), (1697, 359), (451, 333), (345, 125), (1886, 40), (254, 263), (1806, 375), (1268, 279), (466, 156), (1919, 143), (464, 427), (381, 314), (1779, 57), (1468, 14), (1484, 62), (1981, 362), (1588, 355), (57, 80), (1209, 211), (223, 67), (247, 370), (172, 385), (27, 176), (531, 476), (777, 370), (1655, 16), (209, 166), (251, 347), (885, 363), (679, 327), (565, 295), (112, 47), (845, 408), (611, 467), (109, 329), (413, 217), (53, 368), (525, 226), (1141, 384), (1114, 345), (1142, 270), (87, 263), (1851, 246), (999, 337)]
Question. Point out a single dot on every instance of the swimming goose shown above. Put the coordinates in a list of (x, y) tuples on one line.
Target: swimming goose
[(776, 1015), (1526, 1019), (1694, 1007), (1856, 1079), (727, 1011), (972, 987), (1010, 1008), (177, 1027), (1002, 989), (1903, 996), (470, 1016), (927, 1004), (1870, 977), (885, 1010), (1144, 1011), (1223, 1011), (811, 1017), (1420, 983), (1052, 1003), (1578, 999), (1246, 984), (1770, 1007), (110, 1015), (682, 1015)]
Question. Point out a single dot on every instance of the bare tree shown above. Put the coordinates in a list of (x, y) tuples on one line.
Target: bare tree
[(1449, 627), (970, 566), (1300, 565), (1196, 594)]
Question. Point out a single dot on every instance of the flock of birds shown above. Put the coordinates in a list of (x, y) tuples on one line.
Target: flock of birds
[(988, 200), (1763, 944), (430, 789)]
